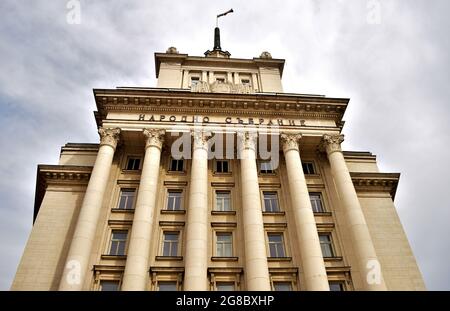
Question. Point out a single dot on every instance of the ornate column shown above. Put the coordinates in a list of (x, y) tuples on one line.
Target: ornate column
[(81, 246), (314, 271), (196, 262), (256, 266), (136, 268), (359, 232)]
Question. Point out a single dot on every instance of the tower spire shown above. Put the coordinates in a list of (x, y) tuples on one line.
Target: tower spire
[(217, 49)]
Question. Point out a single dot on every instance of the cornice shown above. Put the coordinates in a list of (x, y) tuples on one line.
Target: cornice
[(376, 182), (58, 174), (178, 100)]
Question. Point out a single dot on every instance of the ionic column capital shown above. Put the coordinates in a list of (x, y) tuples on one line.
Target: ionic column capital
[(247, 140), (200, 139), (332, 143), (154, 138), (109, 136), (290, 141)]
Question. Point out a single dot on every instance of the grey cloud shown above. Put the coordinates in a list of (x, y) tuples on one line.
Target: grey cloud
[(396, 74)]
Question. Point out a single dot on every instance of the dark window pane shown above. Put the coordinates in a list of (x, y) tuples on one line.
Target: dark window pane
[(316, 202), (133, 163), (308, 168), (326, 245), (109, 286), (282, 286), (271, 202), (276, 245), (167, 286), (176, 165), (225, 286), (336, 286)]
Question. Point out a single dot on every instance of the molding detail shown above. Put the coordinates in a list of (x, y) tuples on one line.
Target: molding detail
[(376, 182), (154, 138), (221, 87), (332, 143), (109, 137), (290, 141)]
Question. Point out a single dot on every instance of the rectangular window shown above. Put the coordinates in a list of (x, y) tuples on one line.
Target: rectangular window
[(170, 244), (224, 244), (266, 167), (222, 166), (326, 245), (174, 200), (194, 81), (165, 286), (118, 242), (133, 163), (308, 168), (316, 202), (126, 200), (245, 81), (223, 201), (109, 286), (176, 165), (225, 286), (271, 202), (282, 286), (337, 286), (276, 245)]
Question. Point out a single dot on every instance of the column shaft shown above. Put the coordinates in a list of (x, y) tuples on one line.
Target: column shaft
[(196, 262), (81, 246), (314, 271), (136, 275), (256, 266), (362, 243)]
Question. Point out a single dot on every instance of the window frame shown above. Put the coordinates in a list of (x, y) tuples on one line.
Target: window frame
[(169, 168), (283, 244), (111, 281), (163, 241), (332, 248), (110, 242), (285, 282), (224, 275), (133, 204), (277, 194), (167, 197), (196, 78), (229, 233), (166, 274), (215, 166), (321, 199), (133, 157), (265, 172), (216, 191), (340, 282), (313, 165)]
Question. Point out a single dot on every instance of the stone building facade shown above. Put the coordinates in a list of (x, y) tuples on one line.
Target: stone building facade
[(181, 195)]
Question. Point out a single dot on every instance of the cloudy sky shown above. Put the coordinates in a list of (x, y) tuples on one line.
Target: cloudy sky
[(391, 57)]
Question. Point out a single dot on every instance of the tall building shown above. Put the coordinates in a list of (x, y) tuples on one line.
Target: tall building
[(216, 180)]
